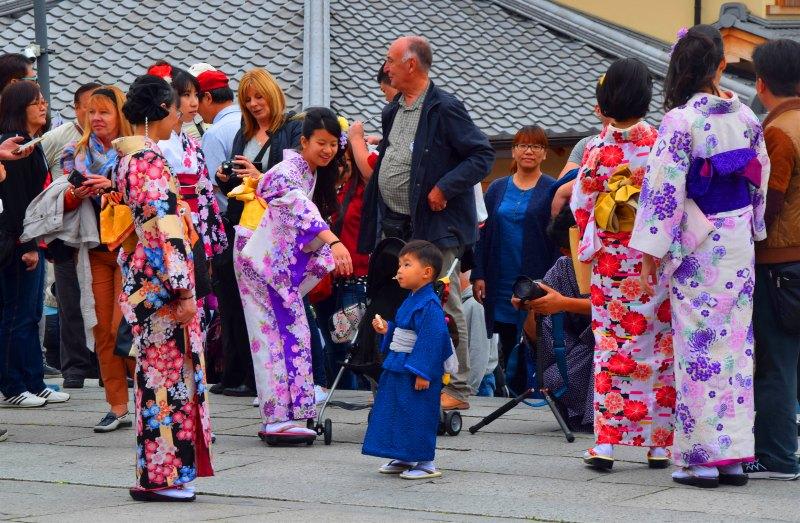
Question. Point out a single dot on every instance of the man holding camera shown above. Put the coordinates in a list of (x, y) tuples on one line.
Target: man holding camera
[(422, 188), (217, 108)]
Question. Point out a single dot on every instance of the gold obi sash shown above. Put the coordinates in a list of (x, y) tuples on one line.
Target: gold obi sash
[(615, 210), (254, 206)]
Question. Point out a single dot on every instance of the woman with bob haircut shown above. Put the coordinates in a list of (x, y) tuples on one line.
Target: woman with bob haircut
[(633, 379), (513, 242)]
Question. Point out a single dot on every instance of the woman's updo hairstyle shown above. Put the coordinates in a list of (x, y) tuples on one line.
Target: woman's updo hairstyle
[(324, 197), (146, 98), (625, 91), (693, 65)]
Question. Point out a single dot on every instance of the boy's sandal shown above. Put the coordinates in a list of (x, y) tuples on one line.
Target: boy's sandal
[(421, 473), (395, 467), (659, 462), (598, 461)]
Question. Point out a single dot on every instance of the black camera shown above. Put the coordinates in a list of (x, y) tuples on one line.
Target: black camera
[(527, 289), (227, 168)]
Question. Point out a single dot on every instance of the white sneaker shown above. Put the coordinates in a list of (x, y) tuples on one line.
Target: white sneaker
[(24, 400), (255, 402), (320, 394), (52, 396)]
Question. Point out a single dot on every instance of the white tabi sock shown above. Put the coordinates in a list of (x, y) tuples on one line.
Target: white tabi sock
[(605, 449), (735, 469), (696, 471), (658, 452), (176, 493)]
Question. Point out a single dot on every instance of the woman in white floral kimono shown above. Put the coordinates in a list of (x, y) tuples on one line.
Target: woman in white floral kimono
[(291, 249), (700, 211)]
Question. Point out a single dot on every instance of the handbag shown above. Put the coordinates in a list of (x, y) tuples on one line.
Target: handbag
[(116, 221), (344, 323), (784, 292)]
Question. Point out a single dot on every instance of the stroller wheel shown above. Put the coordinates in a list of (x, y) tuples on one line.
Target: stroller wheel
[(328, 431), (453, 423)]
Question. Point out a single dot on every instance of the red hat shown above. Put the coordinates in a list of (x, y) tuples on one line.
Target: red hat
[(210, 80)]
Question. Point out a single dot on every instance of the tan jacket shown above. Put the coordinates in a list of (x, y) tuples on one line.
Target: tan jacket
[(782, 136)]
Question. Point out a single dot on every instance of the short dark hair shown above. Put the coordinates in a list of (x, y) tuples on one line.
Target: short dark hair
[(382, 77), (14, 103), (221, 95), (558, 228), (13, 66), (777, 63), (427, 253), (693, 65), (85, 88), (625, 90)]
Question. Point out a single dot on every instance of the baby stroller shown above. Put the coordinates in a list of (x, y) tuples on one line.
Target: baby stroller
[(384, 297)]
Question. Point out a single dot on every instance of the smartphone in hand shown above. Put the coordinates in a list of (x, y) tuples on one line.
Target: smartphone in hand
[(76, 178), (26, 145)]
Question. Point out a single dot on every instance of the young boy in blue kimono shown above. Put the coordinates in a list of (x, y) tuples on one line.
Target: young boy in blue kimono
[(417, 349)]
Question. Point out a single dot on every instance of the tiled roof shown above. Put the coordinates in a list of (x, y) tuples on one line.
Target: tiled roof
[(736, 15), (507, 69), (113, 41)]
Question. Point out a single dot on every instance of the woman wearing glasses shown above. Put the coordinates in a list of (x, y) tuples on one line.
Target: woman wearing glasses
[(513, 241)]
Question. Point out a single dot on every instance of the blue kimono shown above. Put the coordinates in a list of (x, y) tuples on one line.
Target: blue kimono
[(403, 422)]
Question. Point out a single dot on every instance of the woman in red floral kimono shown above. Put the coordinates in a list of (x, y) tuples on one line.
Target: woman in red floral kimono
[(634, 383), (158, 300)]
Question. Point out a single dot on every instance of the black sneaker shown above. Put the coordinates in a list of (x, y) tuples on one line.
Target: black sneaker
[(51, 372), (112, 422), (217, 388), (757, 470), (72, 383), (242, 391)]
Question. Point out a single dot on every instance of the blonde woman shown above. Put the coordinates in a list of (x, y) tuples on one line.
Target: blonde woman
[(94, 158), (266, 131)]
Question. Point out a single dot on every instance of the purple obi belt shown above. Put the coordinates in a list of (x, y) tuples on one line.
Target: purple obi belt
[(720, 183)]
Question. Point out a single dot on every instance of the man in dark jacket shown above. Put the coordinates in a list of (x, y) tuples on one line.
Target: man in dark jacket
[(431, 156)]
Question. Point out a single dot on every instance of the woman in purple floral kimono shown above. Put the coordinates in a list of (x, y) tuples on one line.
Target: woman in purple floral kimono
[(290, 250), (700, 210)]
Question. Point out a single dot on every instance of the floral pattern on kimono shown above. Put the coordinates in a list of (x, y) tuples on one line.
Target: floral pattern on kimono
[(185, 156), (172, 419), (276, 265), (633, 379), (707, 261)]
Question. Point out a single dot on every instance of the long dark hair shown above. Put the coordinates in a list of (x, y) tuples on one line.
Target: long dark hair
[(14, 105), (693, 65), (325, 191)]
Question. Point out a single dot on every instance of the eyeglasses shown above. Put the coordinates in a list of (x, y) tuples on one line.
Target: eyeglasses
[(40, 101), (30, 78), (524, 147)]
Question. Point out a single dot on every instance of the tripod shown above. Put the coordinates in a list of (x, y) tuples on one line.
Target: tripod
[(539, 390)]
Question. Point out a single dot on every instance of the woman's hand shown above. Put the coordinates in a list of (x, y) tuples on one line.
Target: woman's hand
[(243, 168), (82, 192), (185, 310), (479, 290), (550, 303), (649, 277), (2, 173), (10, 150), (222, 176), (344, 263), (421, 383), (380, 325), (373, 139), (356, 131), (96, 183)]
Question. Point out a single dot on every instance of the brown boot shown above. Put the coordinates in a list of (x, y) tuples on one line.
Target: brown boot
[(448, 402)]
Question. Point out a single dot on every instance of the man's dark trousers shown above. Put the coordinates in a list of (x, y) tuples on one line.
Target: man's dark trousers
[(775, 383)]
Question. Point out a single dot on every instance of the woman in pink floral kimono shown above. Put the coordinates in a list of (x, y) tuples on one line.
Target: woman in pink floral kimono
[(290, 250), (633, 379), (158, 300)]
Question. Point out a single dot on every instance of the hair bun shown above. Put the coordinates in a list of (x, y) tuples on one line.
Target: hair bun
[(146, 98)]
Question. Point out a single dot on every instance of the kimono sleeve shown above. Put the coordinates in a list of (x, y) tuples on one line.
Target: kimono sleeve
[(433, 344), (387, 338), (662, 202), (285, 191), (155, 211), (587, 188), (758, 194)]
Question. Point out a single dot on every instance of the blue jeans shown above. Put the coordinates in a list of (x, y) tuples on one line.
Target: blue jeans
[(487, 386), (345, 293), (21, 302)]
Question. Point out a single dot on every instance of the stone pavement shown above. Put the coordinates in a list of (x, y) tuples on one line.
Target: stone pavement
[(54, 468)]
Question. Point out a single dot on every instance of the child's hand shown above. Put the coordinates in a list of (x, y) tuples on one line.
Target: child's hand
[(380, 325), (421, 383)]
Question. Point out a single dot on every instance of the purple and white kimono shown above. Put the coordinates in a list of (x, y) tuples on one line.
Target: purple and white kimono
[(276, 265), (700, 211)]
